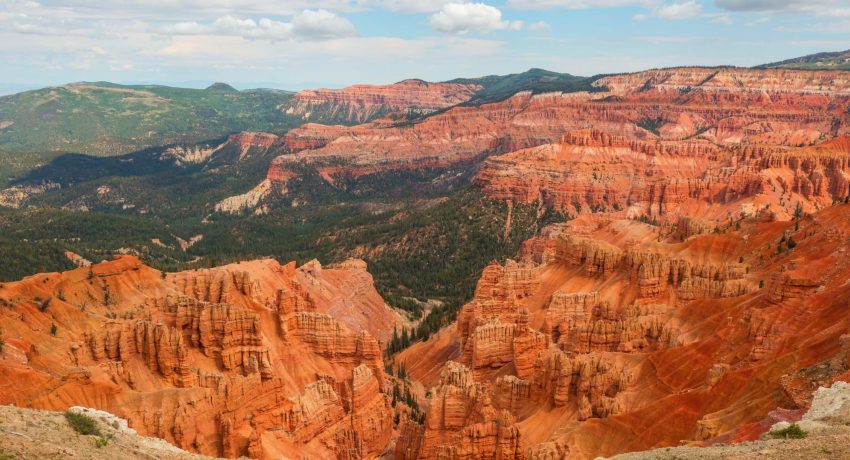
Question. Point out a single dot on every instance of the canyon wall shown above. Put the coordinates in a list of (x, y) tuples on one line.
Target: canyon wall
[(692, 134), (611, 335), (241, 360), (363, 103)]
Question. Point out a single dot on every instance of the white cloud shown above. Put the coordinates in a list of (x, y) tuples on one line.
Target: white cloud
[(758, 21), (674, 11), (198, 10), (460, 18), (752, 5), (666, 39), (840, 26), (321, 24), (724, 19), (307, 25), (826, 8), (540, 26), (368, 55), (405, 6), (576, 4)]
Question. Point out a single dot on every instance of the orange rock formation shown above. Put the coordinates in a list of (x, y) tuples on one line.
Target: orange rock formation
[(673, 308), (717, 134), (611, 335), (244, 359), (362, 103)]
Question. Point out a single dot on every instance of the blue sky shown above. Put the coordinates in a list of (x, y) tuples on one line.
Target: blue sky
[(298, 43)]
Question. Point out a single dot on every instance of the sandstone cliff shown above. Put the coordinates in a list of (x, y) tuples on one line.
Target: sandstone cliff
[(607, 327), (240, 360), (591, 171), (362, 103), (662, 139)]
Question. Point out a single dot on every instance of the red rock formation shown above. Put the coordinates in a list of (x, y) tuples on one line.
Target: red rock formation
[(462, 423), (590, 171), (232, 361), (663, 139), (642, 333), (362, 103)]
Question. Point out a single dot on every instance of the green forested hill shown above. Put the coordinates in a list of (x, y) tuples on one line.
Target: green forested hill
[(109, 119), (499, 87), (838, 60)]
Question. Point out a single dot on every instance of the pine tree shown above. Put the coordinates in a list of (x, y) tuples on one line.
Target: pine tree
[(405, 338), (393, 346)]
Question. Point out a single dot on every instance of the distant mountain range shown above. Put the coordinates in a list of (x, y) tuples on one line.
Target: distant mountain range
[(837, 60), (107, 119)]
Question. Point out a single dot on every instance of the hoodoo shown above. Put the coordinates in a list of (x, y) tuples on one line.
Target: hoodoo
[(239, 360)]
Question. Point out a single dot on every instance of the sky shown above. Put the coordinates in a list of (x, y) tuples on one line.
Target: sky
[(295, 44)]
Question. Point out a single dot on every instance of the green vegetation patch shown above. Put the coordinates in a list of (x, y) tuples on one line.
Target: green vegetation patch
[(500, 87), (82, 423), (793, 431), (108, 119)]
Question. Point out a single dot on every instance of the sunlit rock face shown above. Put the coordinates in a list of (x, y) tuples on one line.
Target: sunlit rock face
[(239, 360), (363, 103), (659, 143), (607, 326)]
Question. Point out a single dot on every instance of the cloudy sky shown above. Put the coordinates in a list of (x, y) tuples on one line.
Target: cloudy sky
[(301, 43)]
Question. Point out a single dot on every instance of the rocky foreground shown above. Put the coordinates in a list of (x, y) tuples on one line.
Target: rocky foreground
[(38, 434)]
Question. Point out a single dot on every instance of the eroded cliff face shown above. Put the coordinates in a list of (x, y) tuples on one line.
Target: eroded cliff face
[(239, 360), (611, 335), (742, 139), (235, 148), (590, 171), (363, 103), (683, 130)]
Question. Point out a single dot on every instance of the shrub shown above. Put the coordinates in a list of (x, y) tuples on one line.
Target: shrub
[(82, 423), (53, 330), (793, 431), (791, 243), (43, 305), (101, 441)]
